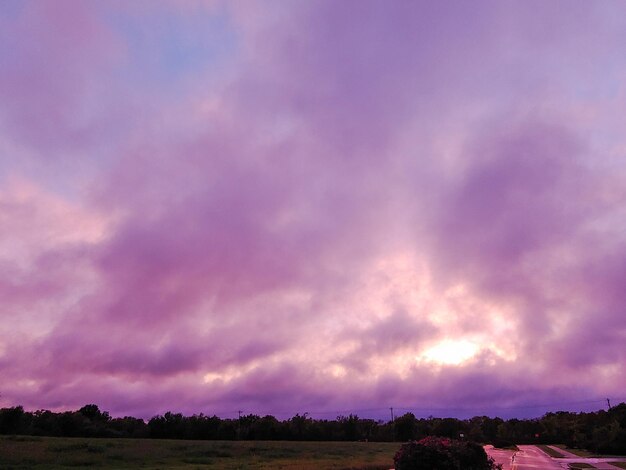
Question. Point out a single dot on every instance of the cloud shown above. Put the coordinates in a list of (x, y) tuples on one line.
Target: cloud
[(54, 79), (288, 210)]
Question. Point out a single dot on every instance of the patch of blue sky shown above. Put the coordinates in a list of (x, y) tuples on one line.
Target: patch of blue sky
[(167, 48), (11, 9)]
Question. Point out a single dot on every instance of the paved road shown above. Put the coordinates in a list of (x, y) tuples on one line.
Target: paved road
[(531, 458), (527, 458), (501, 456)]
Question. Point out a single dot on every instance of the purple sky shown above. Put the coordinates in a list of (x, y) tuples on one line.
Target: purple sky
[(282, 207)]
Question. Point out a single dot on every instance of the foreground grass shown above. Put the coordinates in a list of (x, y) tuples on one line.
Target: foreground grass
[(619, 464), (580, 465), (26, 452)]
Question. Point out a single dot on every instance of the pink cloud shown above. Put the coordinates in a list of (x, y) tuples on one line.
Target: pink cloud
[(296, 230)]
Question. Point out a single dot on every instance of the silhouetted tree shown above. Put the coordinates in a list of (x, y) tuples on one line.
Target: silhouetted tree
[(94, 414), (405, 427), (600, 431), (12, 420)]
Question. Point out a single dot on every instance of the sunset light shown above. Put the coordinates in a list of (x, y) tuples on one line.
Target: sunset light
[(285, 207), (450, 352)]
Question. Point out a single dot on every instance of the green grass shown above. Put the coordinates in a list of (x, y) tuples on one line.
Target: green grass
[(579, 452), (50, 453), (582, 452), (550, 451)]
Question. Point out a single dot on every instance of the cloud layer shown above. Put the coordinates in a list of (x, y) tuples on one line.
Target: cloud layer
[(280, 208)]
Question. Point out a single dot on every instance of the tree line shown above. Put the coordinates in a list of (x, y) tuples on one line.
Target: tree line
[(600, 431)]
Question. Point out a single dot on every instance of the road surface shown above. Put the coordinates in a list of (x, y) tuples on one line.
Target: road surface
[(527, 458), (531, 458), (501, 456)]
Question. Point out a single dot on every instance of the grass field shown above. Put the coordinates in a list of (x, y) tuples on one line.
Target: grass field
[(25, 452), (550, 451), (580, 452), (584, 453)]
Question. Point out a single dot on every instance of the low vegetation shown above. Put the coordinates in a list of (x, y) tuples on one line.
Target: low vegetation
[(505, 446), (437, 453), (551, 452), (579, 452), (580, 465), (49, 453)]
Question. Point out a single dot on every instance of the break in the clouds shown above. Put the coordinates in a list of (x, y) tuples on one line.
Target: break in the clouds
[(284, 207)]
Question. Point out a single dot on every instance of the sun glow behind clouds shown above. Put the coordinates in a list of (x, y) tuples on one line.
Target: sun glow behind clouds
[(450, 352), (279, 228)]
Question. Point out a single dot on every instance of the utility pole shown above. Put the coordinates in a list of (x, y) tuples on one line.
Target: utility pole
[(608, 402), (239, 425), (391, 410)]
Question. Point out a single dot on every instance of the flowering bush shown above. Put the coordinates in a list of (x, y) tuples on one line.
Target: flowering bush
[(439, 453)]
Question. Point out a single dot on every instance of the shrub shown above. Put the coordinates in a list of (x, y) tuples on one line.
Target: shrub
[(440, 453)]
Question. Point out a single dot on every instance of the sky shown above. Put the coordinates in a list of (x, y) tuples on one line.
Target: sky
[(313, 206)]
